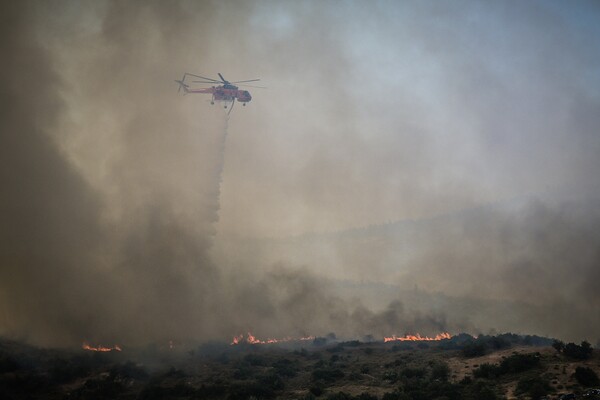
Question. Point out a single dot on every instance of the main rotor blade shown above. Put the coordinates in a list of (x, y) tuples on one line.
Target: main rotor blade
[(207, 82), (257, 87), (251, 80), (221, 76), (202, 77)]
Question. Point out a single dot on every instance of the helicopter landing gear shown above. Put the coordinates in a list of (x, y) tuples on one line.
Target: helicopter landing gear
[(212, 102), (244, 104)]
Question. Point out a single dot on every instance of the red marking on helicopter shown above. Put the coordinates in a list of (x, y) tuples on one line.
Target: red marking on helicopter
[(226, 92)]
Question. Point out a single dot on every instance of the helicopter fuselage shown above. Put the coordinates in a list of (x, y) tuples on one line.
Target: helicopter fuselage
[(225, 93)]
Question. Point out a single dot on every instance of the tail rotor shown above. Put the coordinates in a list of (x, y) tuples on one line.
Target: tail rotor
[(182, 84)]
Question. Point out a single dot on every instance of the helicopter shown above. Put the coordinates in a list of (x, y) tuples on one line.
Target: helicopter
[(226, 92)]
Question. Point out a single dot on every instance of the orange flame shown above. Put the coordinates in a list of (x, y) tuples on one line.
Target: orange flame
[(103, 349), (417, 338), (251, 339)]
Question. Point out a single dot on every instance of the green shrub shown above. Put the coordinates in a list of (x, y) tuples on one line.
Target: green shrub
[(328, 375), (534, 387), (440, 371), (475, 349), (487, 371), (578, 352), (519, 363)]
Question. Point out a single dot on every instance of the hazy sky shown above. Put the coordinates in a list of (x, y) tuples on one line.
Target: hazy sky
[(375, 111)]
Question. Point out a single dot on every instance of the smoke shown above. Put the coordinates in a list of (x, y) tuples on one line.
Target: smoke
[(116, 201), (81, 261), (120, 254)]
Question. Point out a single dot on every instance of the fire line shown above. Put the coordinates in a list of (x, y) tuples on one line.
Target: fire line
[(100, 348), (251, 339), (417, 338)]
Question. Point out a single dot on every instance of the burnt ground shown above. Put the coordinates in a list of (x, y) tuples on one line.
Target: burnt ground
[(498, 367)]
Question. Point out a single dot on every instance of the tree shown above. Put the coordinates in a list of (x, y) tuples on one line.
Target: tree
[(581, 352), (559, 346)]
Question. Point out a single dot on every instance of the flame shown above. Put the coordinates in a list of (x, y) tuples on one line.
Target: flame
[(103, 349), (251, 339), (417, 338)]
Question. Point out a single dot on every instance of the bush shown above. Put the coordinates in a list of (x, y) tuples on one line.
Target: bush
[(586, 376), (316, 390), (339, 396), (102, 389), (559, 346), (487, 371), (271, 381), (391, 376), (366, 396), (440, 371), (475, 349), (128, 370), (581, 352), (395, 396), (519, 362), (480, 390), (499, 342), (249, 390), (63, 371), (328, 375), (535, 387), (7, 364), (413, 372), (255, 360), (285, 368)]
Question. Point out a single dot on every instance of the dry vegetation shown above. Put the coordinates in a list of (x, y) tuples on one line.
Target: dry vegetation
[(501, 367)]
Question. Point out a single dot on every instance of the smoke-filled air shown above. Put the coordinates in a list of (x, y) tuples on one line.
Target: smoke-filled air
[(411, 168)]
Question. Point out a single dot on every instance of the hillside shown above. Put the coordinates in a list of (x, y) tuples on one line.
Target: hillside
[(490, 367)]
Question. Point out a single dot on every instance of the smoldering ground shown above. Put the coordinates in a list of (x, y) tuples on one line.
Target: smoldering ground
[(111, 185)]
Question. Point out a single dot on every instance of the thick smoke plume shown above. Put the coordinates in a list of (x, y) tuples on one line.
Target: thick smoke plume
[(122, 256), (121, 221)]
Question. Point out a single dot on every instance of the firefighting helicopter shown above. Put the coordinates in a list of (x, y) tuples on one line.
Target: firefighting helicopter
[(226, 92)]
